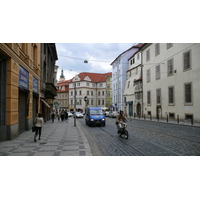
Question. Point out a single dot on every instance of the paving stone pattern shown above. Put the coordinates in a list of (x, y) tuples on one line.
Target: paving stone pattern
[(58, 139)]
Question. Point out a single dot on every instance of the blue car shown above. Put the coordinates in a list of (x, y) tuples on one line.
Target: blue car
[(95, 116)]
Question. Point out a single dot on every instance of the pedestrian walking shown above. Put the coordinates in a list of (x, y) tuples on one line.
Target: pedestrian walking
[(39, 121), (52, 116), (62, 115), (66, 116), (58, 115)]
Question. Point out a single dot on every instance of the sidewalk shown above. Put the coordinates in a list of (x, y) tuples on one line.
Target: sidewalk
[(57, 139), (170, 121)]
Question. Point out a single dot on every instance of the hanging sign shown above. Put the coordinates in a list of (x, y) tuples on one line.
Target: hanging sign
[(23, 78)]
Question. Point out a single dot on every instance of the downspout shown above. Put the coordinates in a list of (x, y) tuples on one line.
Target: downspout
[(142, 83)]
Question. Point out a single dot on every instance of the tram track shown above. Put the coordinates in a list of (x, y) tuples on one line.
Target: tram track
[(139, 152)]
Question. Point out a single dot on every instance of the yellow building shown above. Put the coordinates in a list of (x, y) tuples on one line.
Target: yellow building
[(19, 87)]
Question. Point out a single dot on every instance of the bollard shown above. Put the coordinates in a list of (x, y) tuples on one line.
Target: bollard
[(144, 116), (178, 119), (192, 120), (150, 117), (167, 117)]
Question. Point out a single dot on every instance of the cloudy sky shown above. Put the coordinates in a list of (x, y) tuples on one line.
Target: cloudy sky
[(71, 57)]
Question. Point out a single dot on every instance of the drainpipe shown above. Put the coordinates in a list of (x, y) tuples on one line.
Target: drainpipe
[(142, 83)]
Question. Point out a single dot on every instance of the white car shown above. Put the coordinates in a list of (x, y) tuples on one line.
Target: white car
[(79, 115), (70, 114)]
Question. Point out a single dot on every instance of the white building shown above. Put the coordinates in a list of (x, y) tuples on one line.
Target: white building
[(171, 80), (133, 88), (90, 85), (119, 67)]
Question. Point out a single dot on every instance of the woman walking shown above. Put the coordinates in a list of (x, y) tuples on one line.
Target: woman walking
[(39, 121)]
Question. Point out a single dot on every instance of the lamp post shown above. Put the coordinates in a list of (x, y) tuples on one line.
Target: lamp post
[(74, 103), (86, 100)]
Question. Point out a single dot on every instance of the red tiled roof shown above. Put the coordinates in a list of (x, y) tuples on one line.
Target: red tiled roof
[(95, 77)]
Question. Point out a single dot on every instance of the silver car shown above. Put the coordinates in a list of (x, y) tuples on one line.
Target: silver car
[(79, 115), (113, 114)]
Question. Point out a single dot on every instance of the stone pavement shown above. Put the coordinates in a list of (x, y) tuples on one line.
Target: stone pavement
[(184, 123), (57, 139)]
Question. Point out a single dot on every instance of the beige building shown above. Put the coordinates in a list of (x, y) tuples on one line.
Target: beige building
[(171, 80), (90, 85), (27, 73), (20, 83), (108, 92)]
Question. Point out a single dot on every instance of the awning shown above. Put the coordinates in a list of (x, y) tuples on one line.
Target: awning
[(45, 103)]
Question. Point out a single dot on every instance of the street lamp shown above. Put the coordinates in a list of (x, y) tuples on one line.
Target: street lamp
[(74, 103), (86, 100)]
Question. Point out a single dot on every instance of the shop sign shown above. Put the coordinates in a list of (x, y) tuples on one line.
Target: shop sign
[(35, 85), (23, 78)]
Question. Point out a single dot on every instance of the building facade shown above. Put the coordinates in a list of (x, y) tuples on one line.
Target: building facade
[(109, 92), (63, 95), (171, 80), (20, 87), (90, 85), (48, 89), (132, 96), (119, 67)]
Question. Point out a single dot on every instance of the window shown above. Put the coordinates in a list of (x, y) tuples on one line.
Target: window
[(158, 72), (148, 76), (133, 60), (80, 93), (172, 115), (157, 49), (148, 97), (80, 102), (170, 67), (87, 84), (128, 84), (71, 93), (100, 85), (88, 92), (99, 102), (171, 95), (92, 93), (99, 93), (147, 55), (188, 93), (188, 116), (187, 60), (102, 93), (158, 96), (169, 45), (71, 102), (102, 102)]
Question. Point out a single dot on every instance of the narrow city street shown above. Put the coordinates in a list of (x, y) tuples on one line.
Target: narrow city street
[(146, 138)]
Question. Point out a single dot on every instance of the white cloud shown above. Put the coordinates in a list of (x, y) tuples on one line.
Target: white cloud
[(71, 56)]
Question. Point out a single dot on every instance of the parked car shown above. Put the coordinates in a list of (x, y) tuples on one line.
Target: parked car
[(113, 114), (106, 113), (78, 115), (70, 114)]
